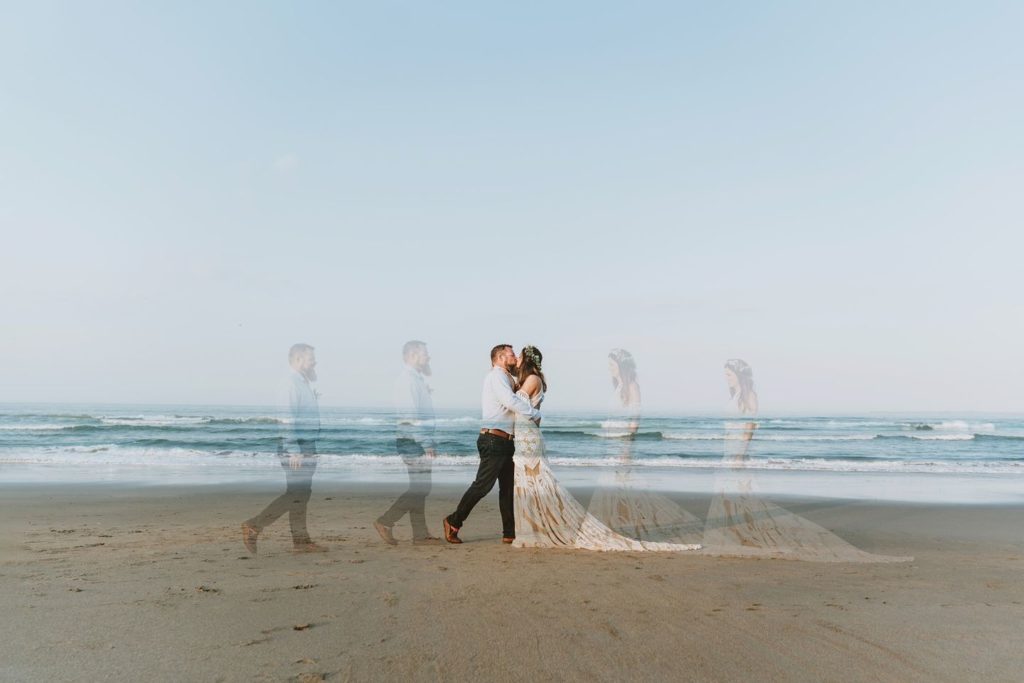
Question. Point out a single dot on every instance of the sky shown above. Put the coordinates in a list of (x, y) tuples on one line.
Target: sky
[(830, 191)]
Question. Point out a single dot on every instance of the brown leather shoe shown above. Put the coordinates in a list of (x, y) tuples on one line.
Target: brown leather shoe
[(249, 536), (451, 534), (385, 533), (506, 539)]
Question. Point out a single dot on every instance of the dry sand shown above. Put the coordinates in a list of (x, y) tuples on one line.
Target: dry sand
[(111, 583)]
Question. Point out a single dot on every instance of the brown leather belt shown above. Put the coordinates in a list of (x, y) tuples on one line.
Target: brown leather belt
[(499, 433)]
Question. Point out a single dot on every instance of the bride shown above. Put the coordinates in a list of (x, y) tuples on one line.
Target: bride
[(628, 509), (547, 515), (743, 523)]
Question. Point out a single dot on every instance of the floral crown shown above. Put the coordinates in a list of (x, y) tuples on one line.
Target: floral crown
[(531, 353)]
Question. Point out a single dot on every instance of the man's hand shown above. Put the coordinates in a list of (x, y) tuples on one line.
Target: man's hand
[(295, 461)]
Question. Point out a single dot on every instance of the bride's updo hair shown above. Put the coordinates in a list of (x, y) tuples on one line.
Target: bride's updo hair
[(531, 365)]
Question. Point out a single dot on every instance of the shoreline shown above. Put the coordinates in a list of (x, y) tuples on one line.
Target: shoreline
[(887, 487)]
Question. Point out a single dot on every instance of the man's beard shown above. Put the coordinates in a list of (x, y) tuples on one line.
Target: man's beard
[(425, 370), (310, 374)]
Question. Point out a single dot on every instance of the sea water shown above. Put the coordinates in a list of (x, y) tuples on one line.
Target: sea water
[(941, 458)]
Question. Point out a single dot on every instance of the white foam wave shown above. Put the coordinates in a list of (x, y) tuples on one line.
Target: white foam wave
[(35, 428), (154, 420), (808, 465), (113, 455), (963, 426), (823, 437), (854, 422), (610, 434), (667, 462), (262, 419), (392, 420), (107, 455), (683, 436)]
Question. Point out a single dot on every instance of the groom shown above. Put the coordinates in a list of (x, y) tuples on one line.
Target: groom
[(499, 405)]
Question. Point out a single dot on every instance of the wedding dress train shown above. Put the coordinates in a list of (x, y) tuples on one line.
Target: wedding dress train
[(742, 523), (635, 511), (548, 516)]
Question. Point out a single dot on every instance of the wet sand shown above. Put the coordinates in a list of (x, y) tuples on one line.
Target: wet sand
[(105, 582)]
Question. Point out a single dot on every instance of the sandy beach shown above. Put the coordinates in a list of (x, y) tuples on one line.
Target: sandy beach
[(103, 582)]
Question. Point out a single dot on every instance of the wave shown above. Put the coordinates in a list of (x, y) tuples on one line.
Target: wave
[(115, 455), (246, 420), (951, 426), (761, 437), (809, 465), (712, 436), (36, 427), (928, 437), (999, 437), (112, 429), (129, 423), (327, 420), (769, 464), (112, 454), (188, 431), (567, 432), (58, 416), (154, 420), (620, 434), (684, 436), (99, 448), (832, 423), (191, 420), (693, 436)]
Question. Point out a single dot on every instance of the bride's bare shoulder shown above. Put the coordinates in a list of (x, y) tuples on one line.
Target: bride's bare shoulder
[(531, 385)]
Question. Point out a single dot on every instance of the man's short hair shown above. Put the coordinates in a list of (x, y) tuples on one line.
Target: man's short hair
[(411, 347), (298, 350), (497, 349)]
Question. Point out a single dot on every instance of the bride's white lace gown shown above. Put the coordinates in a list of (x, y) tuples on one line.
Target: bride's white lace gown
[(547, 515)]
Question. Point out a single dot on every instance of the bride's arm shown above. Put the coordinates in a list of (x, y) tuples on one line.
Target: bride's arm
[(633, 408), (502, 391), (531, 387)]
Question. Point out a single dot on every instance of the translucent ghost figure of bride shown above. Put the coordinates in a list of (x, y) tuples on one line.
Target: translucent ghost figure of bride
[(741, 523), (547, 515), (626, 508)]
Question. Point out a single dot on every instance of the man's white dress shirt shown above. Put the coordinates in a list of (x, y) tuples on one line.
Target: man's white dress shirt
[(302, 412), (499, 404), (414, 407)]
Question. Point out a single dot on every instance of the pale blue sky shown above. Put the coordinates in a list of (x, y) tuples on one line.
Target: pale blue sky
[(831, 191)]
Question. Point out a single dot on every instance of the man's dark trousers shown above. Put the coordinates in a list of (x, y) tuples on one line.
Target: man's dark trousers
[(414, 500), (495, 465)]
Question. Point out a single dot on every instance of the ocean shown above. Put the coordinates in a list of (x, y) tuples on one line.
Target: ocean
[(967, 458)]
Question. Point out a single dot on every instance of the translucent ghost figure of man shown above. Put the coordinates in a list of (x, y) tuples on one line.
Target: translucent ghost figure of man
[(414, 441), (297, 452)]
